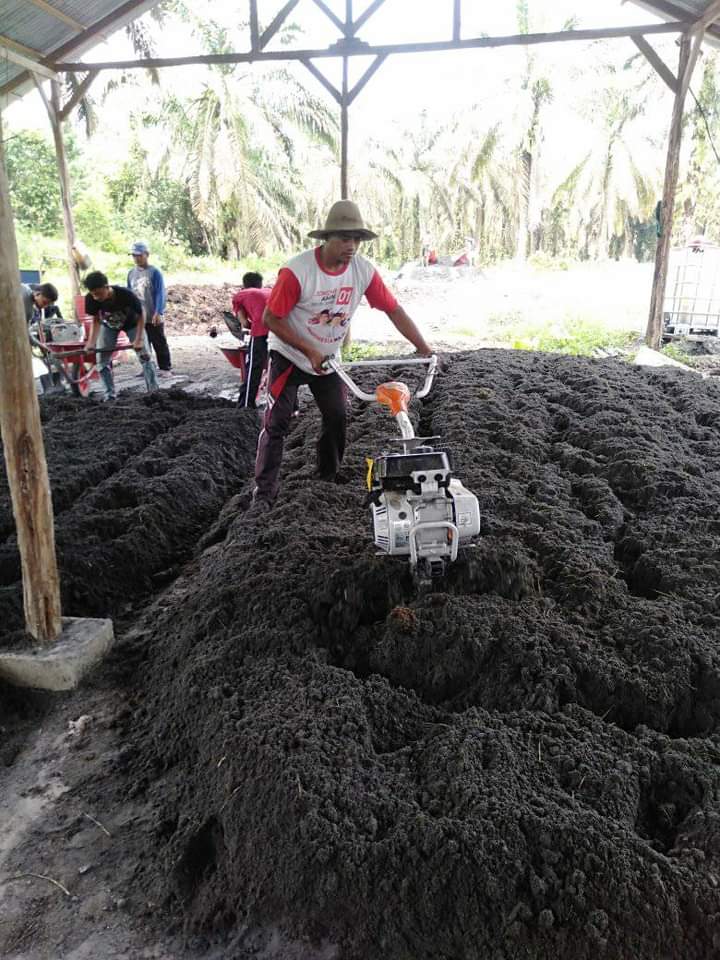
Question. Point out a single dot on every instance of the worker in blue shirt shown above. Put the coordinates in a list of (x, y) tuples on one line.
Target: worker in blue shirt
[(148, 285)]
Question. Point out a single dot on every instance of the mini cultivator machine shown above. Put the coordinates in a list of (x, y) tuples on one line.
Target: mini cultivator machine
[(419, 510)]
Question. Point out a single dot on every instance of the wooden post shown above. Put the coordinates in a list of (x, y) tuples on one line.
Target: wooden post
[(689, 50), (345, 105), (23, 443), (344, 132), (54, 113)]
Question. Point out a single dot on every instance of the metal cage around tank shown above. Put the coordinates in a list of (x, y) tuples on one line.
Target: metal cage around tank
[(692, 297)]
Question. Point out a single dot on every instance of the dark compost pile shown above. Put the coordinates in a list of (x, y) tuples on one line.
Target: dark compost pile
[(523, 764), (191, 309)]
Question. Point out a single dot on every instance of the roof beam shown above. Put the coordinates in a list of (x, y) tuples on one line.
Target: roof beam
[(371, 70), (669, 9), (330, 87), (20, 48), (277, 23), (129, 10), (254, 28), (457, 19), (344, 48), (657, 62), (59, 15), (80, 91), (707, 19), (27, 63), (364, 17), (330, 15)]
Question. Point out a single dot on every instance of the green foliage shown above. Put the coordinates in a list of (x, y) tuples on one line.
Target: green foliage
[(147, 203), (572, 335), (34, 185), (677, 350), (359, 350), (95, 226)]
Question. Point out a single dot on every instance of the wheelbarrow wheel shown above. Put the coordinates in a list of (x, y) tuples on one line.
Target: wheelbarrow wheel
[(80, 381)]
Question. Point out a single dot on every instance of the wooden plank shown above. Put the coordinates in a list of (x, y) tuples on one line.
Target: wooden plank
[(371, 70), (364, 17), (277, 23), (657, 62), (332, 90), (254, 29), (712, 12), (77, 96), (59, 15), (457, 19), (344, 132), (366, 49), (23, 444), (330, 15), (29, 52), (23, 61)]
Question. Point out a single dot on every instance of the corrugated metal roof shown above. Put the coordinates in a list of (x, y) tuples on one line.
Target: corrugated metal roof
[(682, 10), (49, 30)]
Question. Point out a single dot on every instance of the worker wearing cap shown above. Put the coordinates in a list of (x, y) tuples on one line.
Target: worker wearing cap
[(308, 315), (148, 285)]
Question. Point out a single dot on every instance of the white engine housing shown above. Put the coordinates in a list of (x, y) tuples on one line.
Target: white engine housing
[(427, 526)]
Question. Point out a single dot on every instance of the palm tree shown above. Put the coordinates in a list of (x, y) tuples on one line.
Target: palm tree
[(243, 143), (447, 182), (614, 184), (143, 46), (699, 191)]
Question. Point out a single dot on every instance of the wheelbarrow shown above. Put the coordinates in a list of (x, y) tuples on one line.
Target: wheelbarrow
[(66, 354), (237, 356)]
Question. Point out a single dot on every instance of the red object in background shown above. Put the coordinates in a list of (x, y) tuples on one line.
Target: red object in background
[(432, 258), (462, 261), (237, 358)]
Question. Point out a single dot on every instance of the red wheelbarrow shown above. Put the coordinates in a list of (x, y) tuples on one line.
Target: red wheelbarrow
[(66, 354), (237, 356)]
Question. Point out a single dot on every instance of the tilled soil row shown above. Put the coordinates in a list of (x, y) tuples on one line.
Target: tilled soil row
[(523, 763), (135, 484)]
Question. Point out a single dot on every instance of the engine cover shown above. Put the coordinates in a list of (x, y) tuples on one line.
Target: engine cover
[(420, 510)]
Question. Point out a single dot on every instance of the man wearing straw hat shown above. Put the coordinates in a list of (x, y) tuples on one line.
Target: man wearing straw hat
[(308, 315)]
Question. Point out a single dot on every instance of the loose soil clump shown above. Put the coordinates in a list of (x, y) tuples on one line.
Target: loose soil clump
[(523, 763)]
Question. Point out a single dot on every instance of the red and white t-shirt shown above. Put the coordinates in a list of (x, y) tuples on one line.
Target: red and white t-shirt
[(253, 300), (319, 305)]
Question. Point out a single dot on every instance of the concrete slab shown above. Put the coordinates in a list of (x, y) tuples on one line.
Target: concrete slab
[(82, 643)]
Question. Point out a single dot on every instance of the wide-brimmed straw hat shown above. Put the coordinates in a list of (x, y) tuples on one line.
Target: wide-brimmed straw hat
[(343, 217)]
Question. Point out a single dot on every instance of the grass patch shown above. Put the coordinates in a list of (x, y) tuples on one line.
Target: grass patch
[(361, 350), (573, 335), (677, 350)]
